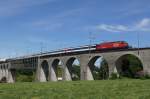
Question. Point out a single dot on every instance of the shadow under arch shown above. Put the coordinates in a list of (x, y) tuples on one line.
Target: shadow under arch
[(73, 66), (129, 65), (57, 69), (45, 68), (99, 68), (3, 80), (13, 75)]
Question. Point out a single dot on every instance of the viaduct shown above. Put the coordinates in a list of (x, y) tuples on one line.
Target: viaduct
[(45, 63)]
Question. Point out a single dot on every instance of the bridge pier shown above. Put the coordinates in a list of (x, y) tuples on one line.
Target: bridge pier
[(111, 61), (53, 76), (112, 69), (145, 59), (52, 73), (11, 76), (66, 73), (86, 73), (6, 73), (37, 78), (40, 74), (3, 71)]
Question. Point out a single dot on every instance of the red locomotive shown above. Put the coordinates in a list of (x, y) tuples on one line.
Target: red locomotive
[(112, 45)]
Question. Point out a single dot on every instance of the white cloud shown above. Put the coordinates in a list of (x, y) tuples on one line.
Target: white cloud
[(111, 28), (142, 25), (145, 23)]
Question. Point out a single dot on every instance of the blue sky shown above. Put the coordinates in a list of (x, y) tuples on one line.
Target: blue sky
[(26, 25)]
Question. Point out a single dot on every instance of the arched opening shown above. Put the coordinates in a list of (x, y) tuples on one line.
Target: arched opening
[(23, 75), (3, 80), (58, 69), (45, 69), (73, 66), (99, 68), (129, 66)]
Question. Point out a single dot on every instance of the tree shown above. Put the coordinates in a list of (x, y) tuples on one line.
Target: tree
[(131, 65)]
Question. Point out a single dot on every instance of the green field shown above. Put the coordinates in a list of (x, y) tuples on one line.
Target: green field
[(103, 89)]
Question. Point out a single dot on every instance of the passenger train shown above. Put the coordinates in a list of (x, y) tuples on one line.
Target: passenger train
[(101, 46), (97, 47)]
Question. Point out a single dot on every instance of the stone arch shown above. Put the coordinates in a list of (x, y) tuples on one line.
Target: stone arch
[(98, 67), (44, 70), (56, 70), (73, 68), (4, 76), (129, 65), (7, 75)]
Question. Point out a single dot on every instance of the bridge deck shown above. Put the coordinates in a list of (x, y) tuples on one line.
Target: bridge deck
[(44, 55)]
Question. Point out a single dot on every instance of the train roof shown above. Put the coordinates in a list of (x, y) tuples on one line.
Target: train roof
[(114, 42)]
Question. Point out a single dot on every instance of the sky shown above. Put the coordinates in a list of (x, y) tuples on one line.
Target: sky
[(31, 26)]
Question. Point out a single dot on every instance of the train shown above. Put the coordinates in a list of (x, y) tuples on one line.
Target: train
[(94, 47), (102, 46), (112, 45)]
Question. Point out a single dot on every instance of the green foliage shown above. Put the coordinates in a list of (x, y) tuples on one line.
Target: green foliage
[(104, 72), (131, 66), (146, 76), (59, 71), (101, 72), (114, 76), (76, 72), (24, 78), (25, 75)]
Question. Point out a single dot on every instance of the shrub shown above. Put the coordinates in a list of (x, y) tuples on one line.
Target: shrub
[(25, 75), (146, 76), (114, 76)]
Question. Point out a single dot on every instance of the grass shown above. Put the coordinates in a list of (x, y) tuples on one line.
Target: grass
[(103, 89)]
